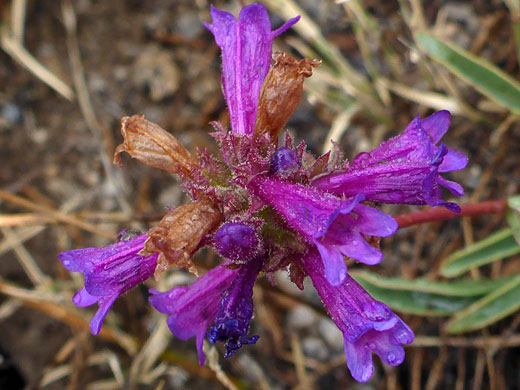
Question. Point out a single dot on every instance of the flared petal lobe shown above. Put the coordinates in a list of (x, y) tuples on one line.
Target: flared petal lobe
[(246, 47), (109, 272), (405, 169), (231, 323), (367, 325), (335, 226), (193, 308)]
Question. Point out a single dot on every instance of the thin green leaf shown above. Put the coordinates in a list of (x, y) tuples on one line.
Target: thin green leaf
[(495, 247), (513, 219), (513, 216), (483, 75), (457, 288), (416, 302), (490, 309), (514, 202)]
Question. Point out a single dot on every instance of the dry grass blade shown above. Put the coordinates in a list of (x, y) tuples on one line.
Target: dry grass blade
[(510, 341), (27, 219), (212, 358), (85, 104), (18, 8), (56, 374), (13, 47), (150, 352), (303, 379), (53, 306), (351, 81), (339, 126), (95, 360), (433, 100), (24, 234), (8, 308), (25, 203), (31, 268)]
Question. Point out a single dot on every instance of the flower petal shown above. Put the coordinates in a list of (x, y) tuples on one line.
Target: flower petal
[(373, 222), (105, 303), (83, 299), (454, 160), (437, 124), (333, 263), (360, 250)]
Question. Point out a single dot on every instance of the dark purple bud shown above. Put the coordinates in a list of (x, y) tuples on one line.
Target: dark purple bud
[(284, 162), (236, 309), (237, 242)]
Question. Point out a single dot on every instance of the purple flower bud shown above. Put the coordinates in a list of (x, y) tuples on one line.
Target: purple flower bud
[(237, 242), (234, 315), (284, 162)]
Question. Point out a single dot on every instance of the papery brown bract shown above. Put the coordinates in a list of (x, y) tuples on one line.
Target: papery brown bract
[(180, 233), (281, 92), (153, 146)]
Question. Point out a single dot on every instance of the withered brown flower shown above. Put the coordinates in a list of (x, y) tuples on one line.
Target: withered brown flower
[(179, 234), (281, 92), (154, 146)]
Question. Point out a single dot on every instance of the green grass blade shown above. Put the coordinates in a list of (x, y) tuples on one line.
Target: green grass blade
[(483, 75), (513, 216), (416, 302), (490, 309), (456, 288), (495, 247)]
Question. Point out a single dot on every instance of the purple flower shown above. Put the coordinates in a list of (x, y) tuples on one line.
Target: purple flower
[(237, 242), (405, 169), (234, 314), (336, 226), (367, 325), (109, 272), (193, 308), (246, 47)]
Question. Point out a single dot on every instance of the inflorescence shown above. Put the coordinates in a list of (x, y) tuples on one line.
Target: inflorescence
[(265, 206)]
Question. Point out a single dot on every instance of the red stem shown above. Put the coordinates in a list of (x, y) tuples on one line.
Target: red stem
[(440, 213)]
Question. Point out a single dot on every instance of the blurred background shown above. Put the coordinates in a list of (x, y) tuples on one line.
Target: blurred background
[(70, 69)]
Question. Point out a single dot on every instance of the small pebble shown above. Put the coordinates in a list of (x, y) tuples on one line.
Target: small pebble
[(331, 333), (315, 348), (301, 317)]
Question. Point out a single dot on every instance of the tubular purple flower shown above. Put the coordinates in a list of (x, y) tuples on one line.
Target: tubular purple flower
[(405, 169), (109, 272), (336, 226), (367, 325), (246, 47), (193, 308), (236, 309)]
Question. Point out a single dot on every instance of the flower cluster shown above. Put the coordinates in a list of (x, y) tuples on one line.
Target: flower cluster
[(266, 206)]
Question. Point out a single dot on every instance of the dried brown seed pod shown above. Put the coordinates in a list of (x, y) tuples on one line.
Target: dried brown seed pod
[(153, 146), (281, 92), (179, 234)]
